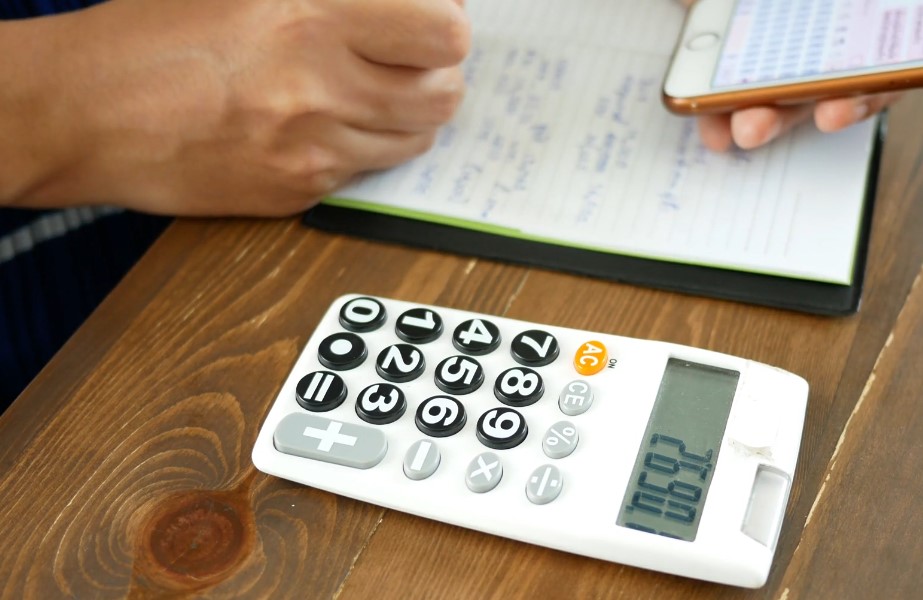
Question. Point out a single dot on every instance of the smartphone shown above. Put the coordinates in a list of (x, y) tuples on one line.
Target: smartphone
[(738, 53)]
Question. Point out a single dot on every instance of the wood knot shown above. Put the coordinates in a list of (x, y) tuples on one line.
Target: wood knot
[(195, 540)]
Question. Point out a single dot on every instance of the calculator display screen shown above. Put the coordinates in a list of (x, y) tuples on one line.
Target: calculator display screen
[(679, 450)]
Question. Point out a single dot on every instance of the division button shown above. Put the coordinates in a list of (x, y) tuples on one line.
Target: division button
[(560, 440), (400, 363), (342, 351), (502, 428), (591, 358), (484, 472), (440, 416), (320, 391), (534, 348), (312, 436), (576, 398), (381, 403), (422, 459), (476, 337), (363, 315), (459, 375), (544, 485), (519, 386), (418, 326)]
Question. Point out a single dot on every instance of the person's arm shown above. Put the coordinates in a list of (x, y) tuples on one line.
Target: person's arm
[(256, 107), (754, 127)]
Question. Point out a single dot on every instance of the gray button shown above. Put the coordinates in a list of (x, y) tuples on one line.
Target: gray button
[(311, 436), (484, 472), (560, 440), (544, 484), (576, 398), (421, 460)]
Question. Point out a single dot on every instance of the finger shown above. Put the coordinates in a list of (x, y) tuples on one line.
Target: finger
[(715, 132), (403, 100), (833, 115), (754, 127), (424, 34), (364, 150)]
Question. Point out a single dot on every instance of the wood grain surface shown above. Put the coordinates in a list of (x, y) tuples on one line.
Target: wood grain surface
[(125, 467)]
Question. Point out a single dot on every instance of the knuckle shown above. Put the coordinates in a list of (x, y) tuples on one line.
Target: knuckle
[(446, 98)]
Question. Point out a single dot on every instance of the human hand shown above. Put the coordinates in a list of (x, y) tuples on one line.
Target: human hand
[(252, 107), (753, 127)]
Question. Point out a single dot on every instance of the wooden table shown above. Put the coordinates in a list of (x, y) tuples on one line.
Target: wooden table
[(126, 466)]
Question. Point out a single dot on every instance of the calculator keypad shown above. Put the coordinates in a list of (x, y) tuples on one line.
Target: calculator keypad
[(378, 404)]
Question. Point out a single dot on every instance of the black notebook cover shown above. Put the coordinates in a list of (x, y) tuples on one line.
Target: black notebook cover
[(769, 290)]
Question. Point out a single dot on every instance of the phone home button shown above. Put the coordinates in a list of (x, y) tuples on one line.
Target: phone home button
[(702, 41)]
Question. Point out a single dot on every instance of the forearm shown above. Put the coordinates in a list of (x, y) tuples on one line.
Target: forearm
[(33, 124)]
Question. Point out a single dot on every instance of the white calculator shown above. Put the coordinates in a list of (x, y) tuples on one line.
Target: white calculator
[(639, 452)]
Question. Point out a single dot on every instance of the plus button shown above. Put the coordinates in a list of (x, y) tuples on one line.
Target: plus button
[(330, 436)]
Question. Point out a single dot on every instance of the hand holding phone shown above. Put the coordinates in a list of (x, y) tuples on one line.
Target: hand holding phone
[(737, 54)]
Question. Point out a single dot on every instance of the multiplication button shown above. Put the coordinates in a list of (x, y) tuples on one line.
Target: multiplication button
[(347, 444), (484, 472)]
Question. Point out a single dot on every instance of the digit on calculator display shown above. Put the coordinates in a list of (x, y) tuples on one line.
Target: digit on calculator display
[(679, 450)]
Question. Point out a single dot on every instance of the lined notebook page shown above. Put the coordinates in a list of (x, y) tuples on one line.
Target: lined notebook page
[(562, 137)]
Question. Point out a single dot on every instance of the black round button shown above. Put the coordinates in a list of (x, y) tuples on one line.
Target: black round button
[(381, 403), (363, 315), (502, 428), (320, 391), (418, 326), (440, 416), (519, 386), (342, 351), (400, 363), (534, 348), (476, 337), (459, 375)]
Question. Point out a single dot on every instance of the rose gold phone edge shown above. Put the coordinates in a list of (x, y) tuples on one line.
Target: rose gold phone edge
[(796, 93)]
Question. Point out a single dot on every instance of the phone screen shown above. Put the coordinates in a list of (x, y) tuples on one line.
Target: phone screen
[(781, 40)]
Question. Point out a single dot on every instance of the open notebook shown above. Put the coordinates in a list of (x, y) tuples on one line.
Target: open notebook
[(562, 155)]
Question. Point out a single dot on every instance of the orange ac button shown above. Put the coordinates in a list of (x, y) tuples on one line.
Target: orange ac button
[(591, 358)]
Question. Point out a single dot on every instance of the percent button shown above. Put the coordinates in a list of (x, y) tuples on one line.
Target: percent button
[(560, 440)]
